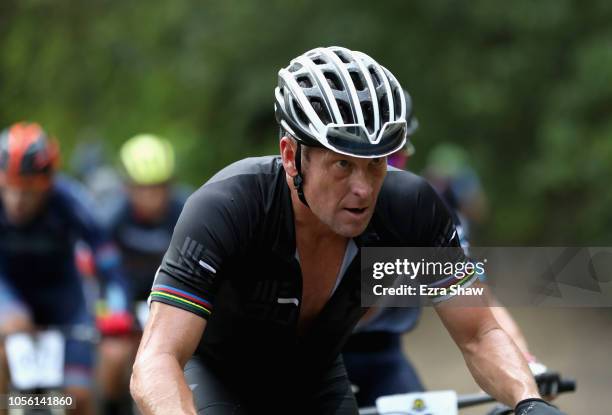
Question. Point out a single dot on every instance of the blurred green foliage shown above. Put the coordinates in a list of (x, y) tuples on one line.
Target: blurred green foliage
[(524, 86)]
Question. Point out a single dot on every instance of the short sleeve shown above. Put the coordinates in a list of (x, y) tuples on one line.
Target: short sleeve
[(213, 226)]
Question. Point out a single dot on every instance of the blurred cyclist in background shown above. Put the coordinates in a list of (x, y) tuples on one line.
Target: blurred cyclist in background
[(449, 172), (41, 219), (91, 165), (141, 226)]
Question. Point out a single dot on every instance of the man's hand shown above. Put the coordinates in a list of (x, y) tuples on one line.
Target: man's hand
[(548, 385), (536, 407)]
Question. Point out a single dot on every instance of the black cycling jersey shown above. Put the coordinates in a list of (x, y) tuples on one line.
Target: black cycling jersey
[(232, 261)]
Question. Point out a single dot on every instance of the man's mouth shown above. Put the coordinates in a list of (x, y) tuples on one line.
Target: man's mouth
[(356, 211)]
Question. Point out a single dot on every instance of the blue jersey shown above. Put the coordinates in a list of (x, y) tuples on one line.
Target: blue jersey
[(143, 244), (37, 259)]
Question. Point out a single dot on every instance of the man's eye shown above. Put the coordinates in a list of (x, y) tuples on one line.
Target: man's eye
[(377, 161), (342, 164)]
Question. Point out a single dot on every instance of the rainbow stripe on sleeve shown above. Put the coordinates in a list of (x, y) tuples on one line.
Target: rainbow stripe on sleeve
[(452, 280), (191, 301), (466, 281)]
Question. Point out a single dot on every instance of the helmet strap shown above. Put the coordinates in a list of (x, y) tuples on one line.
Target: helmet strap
[(298, 180)]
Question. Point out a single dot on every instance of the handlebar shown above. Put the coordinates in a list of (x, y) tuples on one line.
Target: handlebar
[(473, 399), (567, 385)]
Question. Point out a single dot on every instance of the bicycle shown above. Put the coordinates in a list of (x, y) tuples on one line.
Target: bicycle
[(448, 402)]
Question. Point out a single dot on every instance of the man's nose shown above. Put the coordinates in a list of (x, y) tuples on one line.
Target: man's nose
[(361, 186)]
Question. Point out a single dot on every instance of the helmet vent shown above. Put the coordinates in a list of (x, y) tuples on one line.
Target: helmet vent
[(375, 76), (320, 109), (383, 104), (300, 113), (345, 112), (319, 61), (357, 81), (304, 82), (397, 102), (368, 115), (295, 67), (334, 81), (342, 57)]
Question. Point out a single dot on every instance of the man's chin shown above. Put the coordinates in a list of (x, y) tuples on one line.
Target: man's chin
[(351, 230)]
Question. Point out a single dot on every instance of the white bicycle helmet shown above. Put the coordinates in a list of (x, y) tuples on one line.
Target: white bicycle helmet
[(343, 100)]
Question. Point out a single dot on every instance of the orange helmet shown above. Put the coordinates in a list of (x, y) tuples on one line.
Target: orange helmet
[(28, 157)]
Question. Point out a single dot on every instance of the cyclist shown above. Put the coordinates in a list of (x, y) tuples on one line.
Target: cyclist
[(142, 228), (41, 219), (450, 174), (260, 287)]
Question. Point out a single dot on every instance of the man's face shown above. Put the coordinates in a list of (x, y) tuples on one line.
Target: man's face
[(22, 204), (342, 190), (149, 202)]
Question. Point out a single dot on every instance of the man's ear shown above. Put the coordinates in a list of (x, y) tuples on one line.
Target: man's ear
[(288, 147)]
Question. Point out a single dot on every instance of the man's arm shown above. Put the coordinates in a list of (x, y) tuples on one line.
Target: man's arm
[(497, 364), (507, 322), (170, 338)]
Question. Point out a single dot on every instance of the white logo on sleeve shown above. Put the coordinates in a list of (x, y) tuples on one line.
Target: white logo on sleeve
[(288, 301), (207, 267)]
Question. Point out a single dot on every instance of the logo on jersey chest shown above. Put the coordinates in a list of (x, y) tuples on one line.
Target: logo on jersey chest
[(273, 300)]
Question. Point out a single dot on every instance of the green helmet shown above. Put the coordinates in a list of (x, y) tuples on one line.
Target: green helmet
[(447, 160), (147, 159)]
